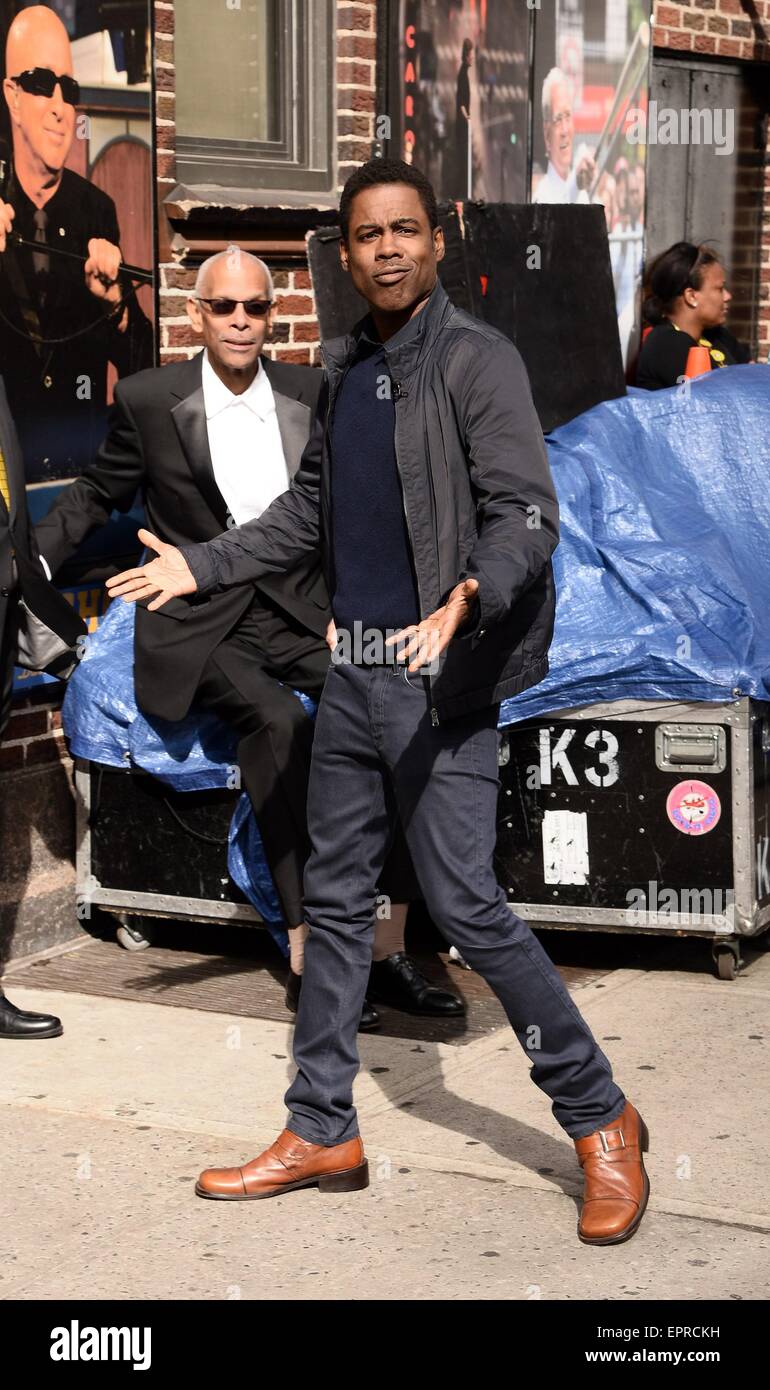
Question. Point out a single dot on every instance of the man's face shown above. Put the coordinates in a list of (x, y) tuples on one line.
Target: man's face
[(391, 251), (558, 131), (635, 194), (45, 125), (234, 339), (713, 296)]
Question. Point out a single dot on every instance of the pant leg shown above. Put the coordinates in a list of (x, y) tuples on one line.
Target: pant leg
[(350, 814), (9, 623), (276, 739), (446, 784)]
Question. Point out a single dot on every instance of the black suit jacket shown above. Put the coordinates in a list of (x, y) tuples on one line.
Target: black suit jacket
[(158, 442), (17, 542)]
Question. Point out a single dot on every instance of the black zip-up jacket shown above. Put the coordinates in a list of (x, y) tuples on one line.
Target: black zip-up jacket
[(478, 496)]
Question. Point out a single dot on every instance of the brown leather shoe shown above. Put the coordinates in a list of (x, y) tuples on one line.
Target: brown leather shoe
[(616, 1184), (290, 1162)]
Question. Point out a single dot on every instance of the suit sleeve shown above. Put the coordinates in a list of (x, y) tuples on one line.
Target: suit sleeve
[(288, 530), (109, 484), (516, 506)]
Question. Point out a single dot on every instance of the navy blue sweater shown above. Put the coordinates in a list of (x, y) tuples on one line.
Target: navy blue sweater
[(374, 574)]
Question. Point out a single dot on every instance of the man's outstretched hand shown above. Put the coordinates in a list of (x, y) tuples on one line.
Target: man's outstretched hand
[(426, 640), (168, 576)]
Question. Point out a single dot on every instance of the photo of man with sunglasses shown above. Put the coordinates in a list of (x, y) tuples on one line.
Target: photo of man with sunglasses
[(62, 321)]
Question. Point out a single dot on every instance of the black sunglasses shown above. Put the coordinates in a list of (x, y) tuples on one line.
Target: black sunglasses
[(41, 82), (254, 308)]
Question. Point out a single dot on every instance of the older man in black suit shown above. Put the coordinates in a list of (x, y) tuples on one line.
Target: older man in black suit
[(211, 442), (37, 626)]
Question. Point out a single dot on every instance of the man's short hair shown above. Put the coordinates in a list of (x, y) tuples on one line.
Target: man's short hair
[(553, 79), (231, 251), (379, 171)]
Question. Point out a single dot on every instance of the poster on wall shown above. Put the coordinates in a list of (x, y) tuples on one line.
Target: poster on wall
[(459, 85), (590, 92), (76, 281)]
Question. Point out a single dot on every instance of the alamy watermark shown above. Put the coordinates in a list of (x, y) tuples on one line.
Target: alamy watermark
[(687, 905), (689, 126), (369, 646)]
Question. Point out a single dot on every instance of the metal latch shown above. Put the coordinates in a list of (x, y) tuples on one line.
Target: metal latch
[(690, 747)]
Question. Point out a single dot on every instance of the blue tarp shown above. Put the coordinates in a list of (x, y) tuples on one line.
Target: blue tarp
[(663, 567), (662, 577)]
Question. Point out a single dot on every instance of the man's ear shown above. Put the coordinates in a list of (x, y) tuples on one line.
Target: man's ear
[(194, 314), (439, 244), (343, 255), (11, 93)]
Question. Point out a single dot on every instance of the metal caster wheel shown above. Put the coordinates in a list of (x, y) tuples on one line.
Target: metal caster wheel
[(131, 936), (727, 960)]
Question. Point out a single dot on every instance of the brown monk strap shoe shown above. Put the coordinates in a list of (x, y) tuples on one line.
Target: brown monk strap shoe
[(290, 1162), (616, 1184)]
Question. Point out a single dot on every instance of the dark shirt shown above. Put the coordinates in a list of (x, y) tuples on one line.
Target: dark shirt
[(463, 93), (663, 358), (373, 569), (58, 391)]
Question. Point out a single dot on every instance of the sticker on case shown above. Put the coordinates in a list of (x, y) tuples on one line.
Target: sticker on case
[(693, 807)]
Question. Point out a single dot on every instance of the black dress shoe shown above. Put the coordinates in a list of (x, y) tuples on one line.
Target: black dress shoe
[(370, 1019), (397, 981), (16, 1023)]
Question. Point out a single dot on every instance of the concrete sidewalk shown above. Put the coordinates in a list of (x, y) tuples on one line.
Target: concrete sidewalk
[(474, 1187)]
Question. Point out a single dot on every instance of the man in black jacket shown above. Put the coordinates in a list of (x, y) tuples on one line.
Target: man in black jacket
[(62, 321), (211, 442), (38, 625), (427, 452)]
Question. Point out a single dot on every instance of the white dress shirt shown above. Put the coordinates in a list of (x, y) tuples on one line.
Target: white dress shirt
[(552, 188), (245, 443)]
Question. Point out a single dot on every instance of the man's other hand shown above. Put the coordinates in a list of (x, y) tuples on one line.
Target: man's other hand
[(7, 215), (168, 576), (101, 269), (429, 638), (331, 635)]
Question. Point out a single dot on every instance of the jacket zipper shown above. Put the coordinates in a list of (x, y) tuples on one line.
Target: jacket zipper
[(398, 396)]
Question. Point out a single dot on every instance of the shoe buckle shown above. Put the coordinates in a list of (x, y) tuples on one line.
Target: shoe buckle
[(603, 1136)]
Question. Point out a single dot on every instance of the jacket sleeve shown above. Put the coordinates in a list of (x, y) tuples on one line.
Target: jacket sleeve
[(109, 484), (516, 508), (287, 530)]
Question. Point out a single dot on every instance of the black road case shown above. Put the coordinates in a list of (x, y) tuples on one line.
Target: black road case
[(640, 816), (632, 816), (144, 850)]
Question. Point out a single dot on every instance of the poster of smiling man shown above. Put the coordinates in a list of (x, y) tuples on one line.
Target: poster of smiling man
[(75, 221), (591, 82)]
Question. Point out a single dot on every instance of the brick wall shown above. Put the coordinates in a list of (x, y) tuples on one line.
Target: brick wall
[(34, 734), (734, 29), (722, 28), (37, 830), (295, 334)]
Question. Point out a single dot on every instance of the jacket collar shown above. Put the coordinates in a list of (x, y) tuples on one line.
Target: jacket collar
[(402, 356)]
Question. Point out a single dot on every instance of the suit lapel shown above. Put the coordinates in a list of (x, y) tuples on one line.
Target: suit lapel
[(294, 421), (189, 416)]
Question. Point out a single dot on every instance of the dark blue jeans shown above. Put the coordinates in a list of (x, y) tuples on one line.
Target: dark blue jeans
[(375, 748)]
